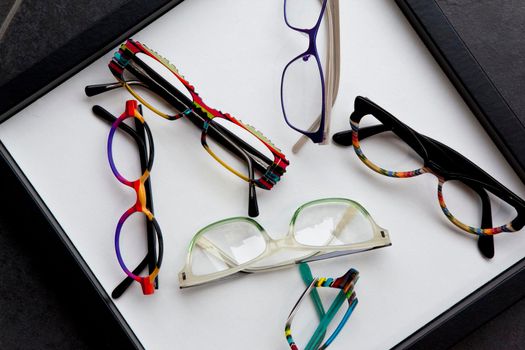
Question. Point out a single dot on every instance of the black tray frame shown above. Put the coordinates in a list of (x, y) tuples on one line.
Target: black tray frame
[(469, 78), (441, 333)]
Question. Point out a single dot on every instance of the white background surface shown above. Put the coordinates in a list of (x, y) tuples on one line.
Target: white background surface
[(234, 54)]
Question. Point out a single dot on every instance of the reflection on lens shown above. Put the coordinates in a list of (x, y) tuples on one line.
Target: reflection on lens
[(332, 223), (160, 99), (302, 14), (465, 205), (227, 156), (226, 244), (302, 92), (387, 150)]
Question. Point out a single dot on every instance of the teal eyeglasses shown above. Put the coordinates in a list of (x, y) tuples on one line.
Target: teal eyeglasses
[(346, 284)]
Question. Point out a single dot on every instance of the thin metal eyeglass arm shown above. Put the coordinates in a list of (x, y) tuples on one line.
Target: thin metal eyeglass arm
[(332, 74), (253, 207), (97, 89)]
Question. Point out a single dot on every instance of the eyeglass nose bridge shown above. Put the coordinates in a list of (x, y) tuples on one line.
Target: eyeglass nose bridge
[(286, 242)]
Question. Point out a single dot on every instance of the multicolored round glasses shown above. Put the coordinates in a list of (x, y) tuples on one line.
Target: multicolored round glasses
[(141, 185)]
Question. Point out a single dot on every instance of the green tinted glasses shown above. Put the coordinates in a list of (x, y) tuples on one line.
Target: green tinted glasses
[(319, 229)]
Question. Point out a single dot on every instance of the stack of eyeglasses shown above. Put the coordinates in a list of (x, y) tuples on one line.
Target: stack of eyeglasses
[(158, 85), (394, 149), (343, 290), (319, 229), (141, 135)]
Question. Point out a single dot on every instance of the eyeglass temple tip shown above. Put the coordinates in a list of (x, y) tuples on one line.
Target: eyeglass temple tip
[(102, 113), (97, 89), (253, 207), (343, 138)]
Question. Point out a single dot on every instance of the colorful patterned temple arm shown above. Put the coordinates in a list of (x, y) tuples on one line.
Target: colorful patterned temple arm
[(128, 51), (306, 275), (173, 97), (346, 284)]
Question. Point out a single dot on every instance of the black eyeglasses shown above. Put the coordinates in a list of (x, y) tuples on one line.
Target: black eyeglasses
[(453, 170)]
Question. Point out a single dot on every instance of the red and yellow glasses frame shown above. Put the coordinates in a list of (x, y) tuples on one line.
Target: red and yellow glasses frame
[(198, 112), (143, 203)]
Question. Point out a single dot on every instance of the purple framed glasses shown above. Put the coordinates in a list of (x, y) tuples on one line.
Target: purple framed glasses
[(302, 81)]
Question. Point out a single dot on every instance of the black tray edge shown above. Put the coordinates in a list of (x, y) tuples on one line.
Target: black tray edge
[(492, 290), (155, 12), (470, 313), (9, 160), (468, 77), (134, 16), (487, 104)]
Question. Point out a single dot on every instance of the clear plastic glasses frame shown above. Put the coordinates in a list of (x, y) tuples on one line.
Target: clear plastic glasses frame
[(331, 241), (346, 284)]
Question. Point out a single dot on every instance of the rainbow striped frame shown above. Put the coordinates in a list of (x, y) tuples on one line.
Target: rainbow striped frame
[(438, 159), (127, 53), (146, 282), (346, 283)]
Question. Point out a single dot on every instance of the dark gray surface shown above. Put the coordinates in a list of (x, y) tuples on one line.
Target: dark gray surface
[(489, 28), (40, 27), (45, 300), (507, 331)]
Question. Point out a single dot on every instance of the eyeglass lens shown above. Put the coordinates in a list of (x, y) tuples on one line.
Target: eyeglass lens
[(239, 164), (145, 65), (236, 241), (302, 14), (302, 92), (226, 244), (386, 153)]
